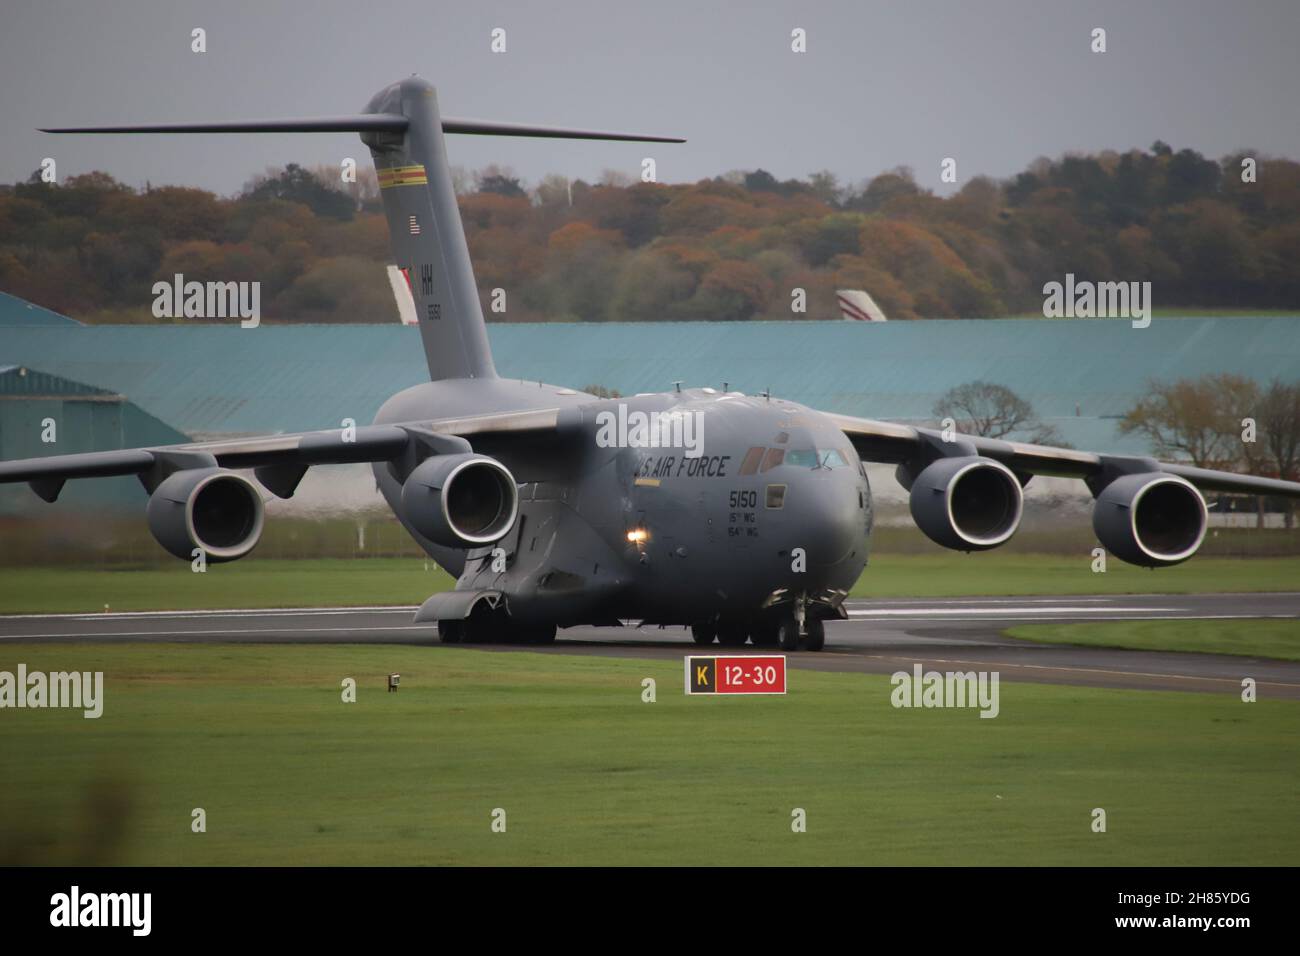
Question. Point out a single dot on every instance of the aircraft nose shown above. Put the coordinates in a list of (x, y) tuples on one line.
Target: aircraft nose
[(830, 522)]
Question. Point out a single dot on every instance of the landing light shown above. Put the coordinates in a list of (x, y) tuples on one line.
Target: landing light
[(637, 535)]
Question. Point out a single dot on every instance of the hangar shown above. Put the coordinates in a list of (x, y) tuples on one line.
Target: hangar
[(43, 414), (213, 380)]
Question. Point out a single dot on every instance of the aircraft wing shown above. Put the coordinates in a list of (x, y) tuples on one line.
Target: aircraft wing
[(890, 442), (281, 460)]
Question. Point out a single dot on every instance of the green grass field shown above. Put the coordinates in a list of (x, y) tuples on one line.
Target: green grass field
[(589, 774), (945, 573), (371, 581), (1249, 638)]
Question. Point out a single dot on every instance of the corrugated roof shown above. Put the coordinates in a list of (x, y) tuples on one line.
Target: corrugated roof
[(16, 311), (206, 380), (22, 382)]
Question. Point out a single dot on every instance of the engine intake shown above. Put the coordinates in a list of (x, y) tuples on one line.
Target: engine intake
[(461, 501), (968, 503), (209, 508), (1153, 519)]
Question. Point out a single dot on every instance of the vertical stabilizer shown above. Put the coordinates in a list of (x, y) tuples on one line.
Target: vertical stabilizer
[(426, 232)]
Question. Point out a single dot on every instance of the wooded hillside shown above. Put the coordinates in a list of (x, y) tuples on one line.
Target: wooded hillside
[(733, 247)]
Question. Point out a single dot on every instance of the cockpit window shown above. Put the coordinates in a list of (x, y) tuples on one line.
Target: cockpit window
[(816, 458), (752, 458)]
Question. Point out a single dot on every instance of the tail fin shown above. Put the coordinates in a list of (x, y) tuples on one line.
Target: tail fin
[(404, 130), (856, 305)]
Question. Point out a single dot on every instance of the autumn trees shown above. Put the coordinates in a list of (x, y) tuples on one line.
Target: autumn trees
[(1225, 422), (734, 247), (990, 410)]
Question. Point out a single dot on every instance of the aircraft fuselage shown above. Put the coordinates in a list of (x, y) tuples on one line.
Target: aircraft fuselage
[(670, 508)]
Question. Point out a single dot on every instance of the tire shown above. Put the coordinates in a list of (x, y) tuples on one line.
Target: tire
[(816, 637), (451, 632), (482, 626), (764, 634), (732, 635), (541, 634), (787, 634), (704, 633)]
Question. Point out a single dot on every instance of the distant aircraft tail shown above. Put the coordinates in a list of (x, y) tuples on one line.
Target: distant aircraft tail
[(857, 306), (404, 130), (403, 296)]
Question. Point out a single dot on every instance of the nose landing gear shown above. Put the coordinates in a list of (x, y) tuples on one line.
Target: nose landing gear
[(788, 637), (798, 630)]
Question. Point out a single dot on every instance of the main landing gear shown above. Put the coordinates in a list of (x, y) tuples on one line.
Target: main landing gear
[(779, 632), (486, 625), (704, 633)]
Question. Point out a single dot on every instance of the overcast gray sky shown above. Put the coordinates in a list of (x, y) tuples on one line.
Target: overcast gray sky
[(992, 84)]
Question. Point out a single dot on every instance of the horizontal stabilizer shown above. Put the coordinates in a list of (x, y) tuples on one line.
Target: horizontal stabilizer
[(481, 128), (361, 123), (367, 123)]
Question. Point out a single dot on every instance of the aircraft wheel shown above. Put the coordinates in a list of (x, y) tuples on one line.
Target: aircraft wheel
[(787, 634), (482, 626), (815, 639), (704, 633), (541, 634), (732, 635), (451, 632)]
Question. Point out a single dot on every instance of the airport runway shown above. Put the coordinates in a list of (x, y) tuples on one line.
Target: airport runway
[(881, 636)]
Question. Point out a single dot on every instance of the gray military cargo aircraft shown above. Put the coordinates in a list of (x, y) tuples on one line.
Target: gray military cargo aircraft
[(745, 517)]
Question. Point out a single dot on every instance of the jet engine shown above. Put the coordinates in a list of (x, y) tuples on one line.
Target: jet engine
[(1152, 519), (209, 508), (968, 503), (461, 501)]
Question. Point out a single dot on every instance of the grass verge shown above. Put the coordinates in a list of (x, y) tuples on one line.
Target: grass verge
[(587, 773), (1263, 637), (336, 582)]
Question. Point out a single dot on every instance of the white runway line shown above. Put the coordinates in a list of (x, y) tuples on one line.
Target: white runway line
[(856, 607), (976, 602), (233, 612), (240, 633), (904, 612), (1027, 616)]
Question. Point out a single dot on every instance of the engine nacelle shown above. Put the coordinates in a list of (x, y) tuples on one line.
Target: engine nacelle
[(1152, 519), (461, 501), (967, 504), (209, 508)]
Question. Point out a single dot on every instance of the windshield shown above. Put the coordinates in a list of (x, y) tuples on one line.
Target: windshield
[(816, 457)]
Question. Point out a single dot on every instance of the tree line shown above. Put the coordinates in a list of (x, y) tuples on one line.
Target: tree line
[(1225, 422), (1207, 233)]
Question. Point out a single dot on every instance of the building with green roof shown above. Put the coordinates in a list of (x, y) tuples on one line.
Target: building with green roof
[(1080, 375)]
